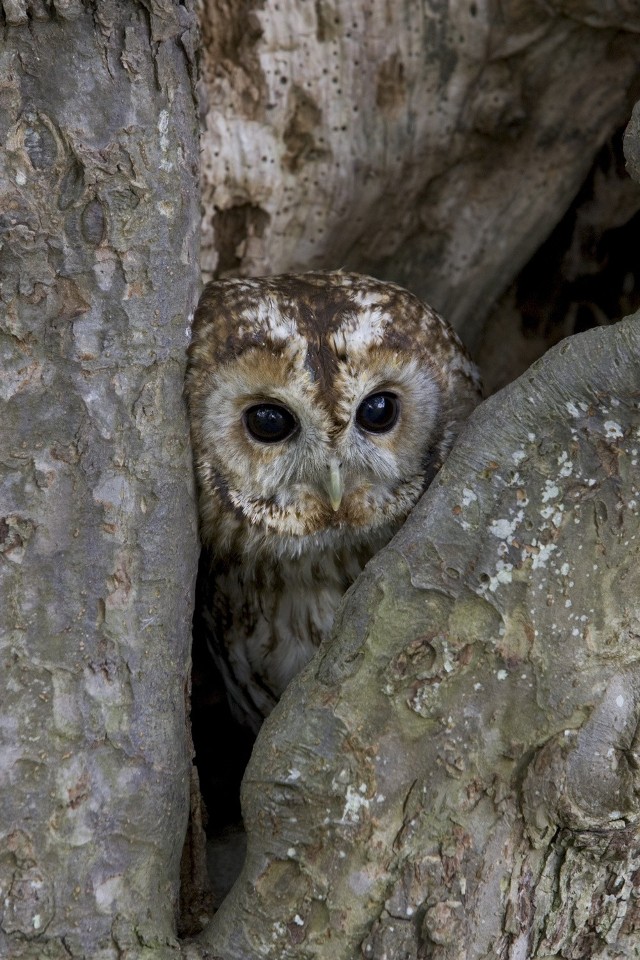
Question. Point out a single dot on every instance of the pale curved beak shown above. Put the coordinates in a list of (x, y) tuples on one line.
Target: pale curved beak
[(335, 483)]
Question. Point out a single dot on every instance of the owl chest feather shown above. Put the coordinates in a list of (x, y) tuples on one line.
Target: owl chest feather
[(272, 615)]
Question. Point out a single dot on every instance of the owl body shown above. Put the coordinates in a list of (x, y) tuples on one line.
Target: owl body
[(321, 406)]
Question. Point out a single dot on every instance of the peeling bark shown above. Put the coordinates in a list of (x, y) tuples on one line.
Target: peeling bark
[(98, 543)]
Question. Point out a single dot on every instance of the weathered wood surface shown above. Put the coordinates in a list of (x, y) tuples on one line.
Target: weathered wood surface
[(433, 144)]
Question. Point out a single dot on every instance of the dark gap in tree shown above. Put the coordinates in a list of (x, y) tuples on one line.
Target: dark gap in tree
[(222, 749), (585, 274)]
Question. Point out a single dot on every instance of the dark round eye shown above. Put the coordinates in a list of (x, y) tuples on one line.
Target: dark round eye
[(378, 413), (269, 422)]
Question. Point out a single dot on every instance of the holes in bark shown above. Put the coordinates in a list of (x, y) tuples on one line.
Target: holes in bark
[(327, 22)]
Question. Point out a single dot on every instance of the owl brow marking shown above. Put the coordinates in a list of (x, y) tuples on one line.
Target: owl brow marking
[(322, 364)]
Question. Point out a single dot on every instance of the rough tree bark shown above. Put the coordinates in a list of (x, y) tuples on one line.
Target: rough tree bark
[(393, 804), (435, 144), (456, 774), (99, 216)]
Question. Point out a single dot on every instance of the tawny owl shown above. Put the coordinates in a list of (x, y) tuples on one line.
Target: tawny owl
[(321, 406)]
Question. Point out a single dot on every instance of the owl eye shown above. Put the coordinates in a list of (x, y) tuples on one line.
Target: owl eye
[(378, 413), (269, 422)]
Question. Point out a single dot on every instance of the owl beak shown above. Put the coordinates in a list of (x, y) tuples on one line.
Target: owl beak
[(335, 484)]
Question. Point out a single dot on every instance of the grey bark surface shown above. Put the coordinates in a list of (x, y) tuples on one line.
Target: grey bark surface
[(444, 781), (456, 774), (432, 144), (98, 543)]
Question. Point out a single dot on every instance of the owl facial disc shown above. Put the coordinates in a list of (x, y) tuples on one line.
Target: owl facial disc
[(321, 406)]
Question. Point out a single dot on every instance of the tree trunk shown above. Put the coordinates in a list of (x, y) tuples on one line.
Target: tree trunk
[(97, 528)]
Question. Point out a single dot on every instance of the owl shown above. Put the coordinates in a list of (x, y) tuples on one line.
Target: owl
[(321, 406)]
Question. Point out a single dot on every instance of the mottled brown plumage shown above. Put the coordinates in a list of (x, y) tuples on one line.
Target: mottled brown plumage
[(321, 406)]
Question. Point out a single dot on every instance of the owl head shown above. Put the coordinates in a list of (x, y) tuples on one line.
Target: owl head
[(321, 405)]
